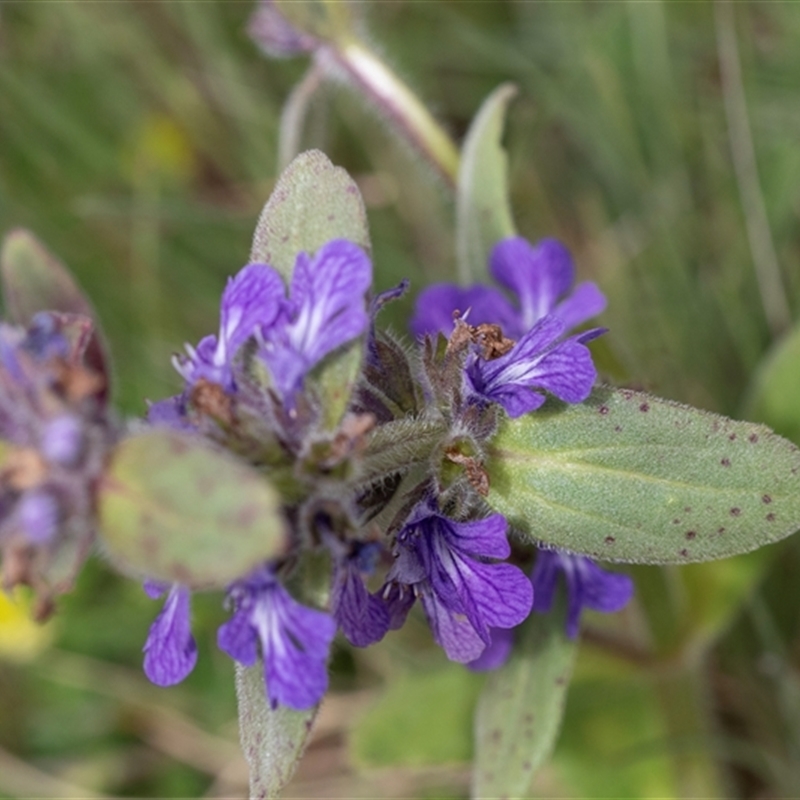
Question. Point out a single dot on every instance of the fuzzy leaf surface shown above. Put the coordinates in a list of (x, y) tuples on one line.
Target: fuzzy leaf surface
[(273, 740), (174, 509), (520, 710), (34, 280), (483, 208), (630, 477), (312, 203)]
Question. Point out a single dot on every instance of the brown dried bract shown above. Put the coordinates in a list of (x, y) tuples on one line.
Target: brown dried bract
[(461, 336), (24, 469), (210, 399), (350, 438), (76, 383), (492, 342), (477, 476)]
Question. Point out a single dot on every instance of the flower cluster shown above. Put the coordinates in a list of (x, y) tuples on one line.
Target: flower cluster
[(56, 433), (253, 388)]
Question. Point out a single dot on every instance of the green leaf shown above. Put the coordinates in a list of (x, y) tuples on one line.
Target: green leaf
[(173, 508), (774, 397), (483, 208), (273, 740), (312, 203), (35, 280), (423, 718), (520, 710), (630, 477)]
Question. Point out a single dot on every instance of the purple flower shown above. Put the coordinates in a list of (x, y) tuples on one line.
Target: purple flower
[(497, 652), (451, 567), (362, 617), (326, 308), (170, 651), (540, 360), (294, 639), (39, 515), (587, 586), (250, 303), (537, 275)]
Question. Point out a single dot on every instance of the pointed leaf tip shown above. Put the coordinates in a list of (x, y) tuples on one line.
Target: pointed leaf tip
[(313, 202), (483, 207), (630, 477), (34, 280)]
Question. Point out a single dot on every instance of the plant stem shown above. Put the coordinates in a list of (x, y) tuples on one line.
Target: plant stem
[(396, 101)]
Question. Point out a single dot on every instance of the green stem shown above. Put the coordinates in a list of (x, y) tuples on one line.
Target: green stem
[(396, 446), (397, 102)]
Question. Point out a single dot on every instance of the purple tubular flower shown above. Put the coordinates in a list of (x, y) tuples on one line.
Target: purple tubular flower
[(39, 515), (326, 310), (444, 563), (170, 651), (436, 304), (251, 302), (62, 440), (588, 585), (537, 275), (295, 640), (362, 617), (497, 653), (538, 361)]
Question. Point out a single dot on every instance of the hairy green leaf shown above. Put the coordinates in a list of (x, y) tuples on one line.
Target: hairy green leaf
[(174, 509), (520, 710), (483, 208), (312, 203), (273, 740), (773, 395), (34, 280), (630, 477)]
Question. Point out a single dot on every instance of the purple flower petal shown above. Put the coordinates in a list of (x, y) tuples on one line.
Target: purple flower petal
[(441, 560), (170, 650), (537, 275), (328, 291), (294, 639), (362, 617), (238, 638), (328, 310), (170, 412), (38, 514), (251, 302), (433, 312), (63, 440), (588, 585), (398, 598), (536, 362), (585, 302), (451, 629), (155, 589), (497, 652)]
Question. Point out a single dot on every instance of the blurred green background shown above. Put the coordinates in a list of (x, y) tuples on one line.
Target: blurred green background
[(139, 141)]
